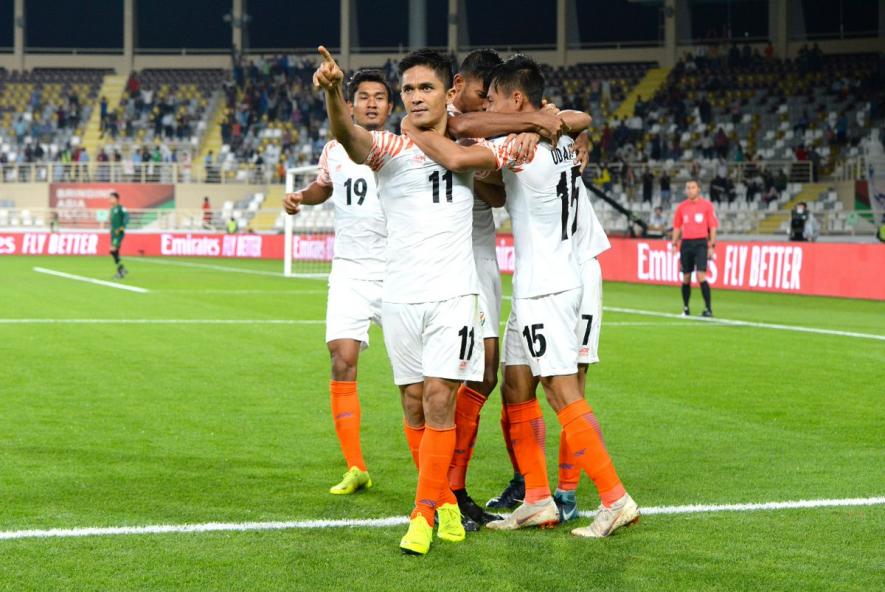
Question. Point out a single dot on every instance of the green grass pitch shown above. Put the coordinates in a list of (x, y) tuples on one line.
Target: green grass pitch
[(174, 423)]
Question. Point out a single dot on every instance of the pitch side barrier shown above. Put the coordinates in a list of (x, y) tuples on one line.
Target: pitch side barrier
[(848, 270)]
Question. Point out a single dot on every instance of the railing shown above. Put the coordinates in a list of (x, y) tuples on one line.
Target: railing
[(851, 169), (735, 218), (131, 172), (796, 171), (250, 174)]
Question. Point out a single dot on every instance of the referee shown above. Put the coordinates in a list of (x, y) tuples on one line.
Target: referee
[(694, 226)]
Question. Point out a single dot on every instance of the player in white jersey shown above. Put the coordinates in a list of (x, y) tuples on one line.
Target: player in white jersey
[(589, 241), (430, 306), (467, 118), (355, 283), (541, 343)]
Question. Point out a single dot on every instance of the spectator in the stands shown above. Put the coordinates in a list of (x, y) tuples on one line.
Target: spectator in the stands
[(720, 143), (657, 223), (604, 179), (719, 187), (665, 188), (648, 181)]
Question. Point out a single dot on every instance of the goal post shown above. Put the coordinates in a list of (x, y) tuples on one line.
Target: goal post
[(309, 235)]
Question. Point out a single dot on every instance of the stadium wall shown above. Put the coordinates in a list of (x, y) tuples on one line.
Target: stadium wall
[(821, 269), (26, 195), (189, 196), (186, 195)]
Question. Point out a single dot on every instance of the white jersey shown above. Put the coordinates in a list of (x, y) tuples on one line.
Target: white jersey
[(429, 211), (483, 220), (590, 239), (540, 195), (360, 227)]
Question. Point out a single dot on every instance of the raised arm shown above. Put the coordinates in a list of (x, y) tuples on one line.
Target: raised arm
[(356, 140), (312, 195), (454, 157), (488, 125), (576, 121)]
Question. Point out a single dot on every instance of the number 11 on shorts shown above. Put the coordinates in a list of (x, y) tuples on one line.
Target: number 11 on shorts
[(466, 333)]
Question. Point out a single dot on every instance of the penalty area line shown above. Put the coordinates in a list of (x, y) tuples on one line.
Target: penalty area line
[(402, 520), (89, 280), (735, 323)]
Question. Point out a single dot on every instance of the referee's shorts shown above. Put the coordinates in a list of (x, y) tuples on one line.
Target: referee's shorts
[(693, 255)]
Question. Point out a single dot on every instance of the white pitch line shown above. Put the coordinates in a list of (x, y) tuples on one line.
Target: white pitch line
[(237, 292), (161, 322), (212, 267), (735, 323), (401, 520), (89, 280)]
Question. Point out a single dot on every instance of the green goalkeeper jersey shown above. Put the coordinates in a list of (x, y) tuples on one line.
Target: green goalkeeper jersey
[(119, 219)]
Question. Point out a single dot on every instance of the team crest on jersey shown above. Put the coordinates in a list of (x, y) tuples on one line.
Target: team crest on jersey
[(337, 168), (462, 365), (419, 159), (584, 350), (699, 217)]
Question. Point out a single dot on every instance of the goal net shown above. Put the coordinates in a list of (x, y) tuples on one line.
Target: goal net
[(310, 240)]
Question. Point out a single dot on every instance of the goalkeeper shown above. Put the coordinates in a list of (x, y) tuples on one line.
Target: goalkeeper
[(119, 220), (355, 283)]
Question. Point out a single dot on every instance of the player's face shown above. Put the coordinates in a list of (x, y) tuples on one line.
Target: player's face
[(371, 107), (471, 94), (424, 96), (692, 191), (499, 102)]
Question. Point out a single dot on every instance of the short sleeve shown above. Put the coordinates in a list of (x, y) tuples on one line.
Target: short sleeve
[(324, 179), (385, 146), (501, 149), (677, 217), (714, 221)]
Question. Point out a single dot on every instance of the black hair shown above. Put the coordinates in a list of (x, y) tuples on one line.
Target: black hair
[(367, 75), (436, 61), (115, 194), (522, 73), (480, 63)]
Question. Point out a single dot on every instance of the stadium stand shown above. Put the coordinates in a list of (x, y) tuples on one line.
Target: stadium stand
[(756, 131), (44, 113)]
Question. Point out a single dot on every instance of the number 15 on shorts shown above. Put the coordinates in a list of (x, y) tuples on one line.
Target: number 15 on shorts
[(535, 340)]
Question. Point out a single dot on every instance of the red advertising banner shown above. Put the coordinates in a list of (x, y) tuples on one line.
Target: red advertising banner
[(75, 200), (825, 269)]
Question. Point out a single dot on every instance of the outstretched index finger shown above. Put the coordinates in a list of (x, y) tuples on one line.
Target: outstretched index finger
[(327, 57)]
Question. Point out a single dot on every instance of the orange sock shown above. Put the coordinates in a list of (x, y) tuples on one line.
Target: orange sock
[(346, 413), (413, 438), (582, 431), (467, 408), (569, 470), (528, 436), (505, 430), (434, 458)]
